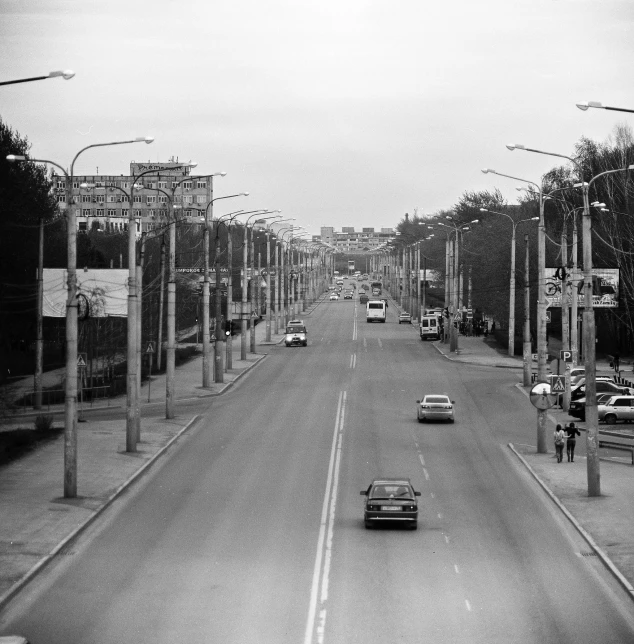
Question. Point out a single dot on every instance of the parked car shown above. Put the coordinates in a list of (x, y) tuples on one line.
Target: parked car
[(577, 408), (604, 385), (334, 297), (390, 499), (576, 373), (435, 407), (616, 408), (405, 318)]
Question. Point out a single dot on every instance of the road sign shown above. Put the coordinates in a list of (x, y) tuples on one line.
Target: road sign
[(557, 384), (213, 336), (534, 357), (150, 347), (270, 271), (469, 314), (541, 396), (82, 360), (566, 356)]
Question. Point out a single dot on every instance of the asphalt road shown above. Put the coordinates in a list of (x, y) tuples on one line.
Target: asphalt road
[(252, 531)]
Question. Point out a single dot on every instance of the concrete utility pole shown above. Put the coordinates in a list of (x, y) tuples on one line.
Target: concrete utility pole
[(159, 339), (70, 404), (527, 348)]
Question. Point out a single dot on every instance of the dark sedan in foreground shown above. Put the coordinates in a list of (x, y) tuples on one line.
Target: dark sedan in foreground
[(392, 500)]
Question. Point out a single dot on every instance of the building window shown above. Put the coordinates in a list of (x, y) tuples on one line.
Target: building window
[(85, 199), (99, 184), (112, 213), (125, 212), (100, 212), (174, 185), (61, 198), (188, 199), (151, 184), (85, 212), (162, 199), (138, 198), (151, 199), (125, 184), (61, 184), (101, 198), (82, 227), (137, 213), (162, 184), (187, 185), (151, 213), (201, 198), (76, 185), (201, 183)]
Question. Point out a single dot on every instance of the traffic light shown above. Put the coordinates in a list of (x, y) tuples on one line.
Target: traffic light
[(228, 327)]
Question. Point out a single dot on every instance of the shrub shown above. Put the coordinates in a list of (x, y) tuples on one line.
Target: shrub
[(44, 423)]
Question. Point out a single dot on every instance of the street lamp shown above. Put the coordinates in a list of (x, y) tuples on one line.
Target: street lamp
[(70, 403), (511, 347), (66, 74), (587, 104), (589, 331)]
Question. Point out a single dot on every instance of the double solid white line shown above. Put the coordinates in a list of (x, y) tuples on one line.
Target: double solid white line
[(321, 570)]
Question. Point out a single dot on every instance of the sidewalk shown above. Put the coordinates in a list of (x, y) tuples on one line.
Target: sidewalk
[(37, 522), (606, 522)]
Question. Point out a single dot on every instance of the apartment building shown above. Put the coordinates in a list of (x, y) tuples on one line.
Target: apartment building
[(351, 241), (102, 202)]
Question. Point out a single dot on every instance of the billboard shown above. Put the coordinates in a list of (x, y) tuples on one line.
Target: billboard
[(105, 290), (605, 287)]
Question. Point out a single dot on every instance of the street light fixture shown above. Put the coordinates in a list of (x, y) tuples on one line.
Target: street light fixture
[(584, 105), (66, 74)]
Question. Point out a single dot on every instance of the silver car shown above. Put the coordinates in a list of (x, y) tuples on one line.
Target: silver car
[(435, 407), (617, 408)]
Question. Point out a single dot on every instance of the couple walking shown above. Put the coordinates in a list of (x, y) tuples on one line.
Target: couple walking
[(568, 435)]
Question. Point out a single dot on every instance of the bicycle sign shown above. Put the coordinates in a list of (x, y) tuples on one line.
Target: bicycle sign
[(605, 287)]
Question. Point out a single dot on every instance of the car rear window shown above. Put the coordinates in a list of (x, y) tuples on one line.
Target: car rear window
[(436, 399), (375, 305), (387, 491)]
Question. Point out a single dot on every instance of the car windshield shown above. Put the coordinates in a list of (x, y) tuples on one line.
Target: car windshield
[(295, 329), (385, 491), (436, 399)]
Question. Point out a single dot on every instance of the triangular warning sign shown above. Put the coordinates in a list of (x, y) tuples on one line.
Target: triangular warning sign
[(150, 347), (81, 361)]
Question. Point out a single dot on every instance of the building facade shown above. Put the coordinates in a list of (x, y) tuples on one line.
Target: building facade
[(102, 202), (351, 241)]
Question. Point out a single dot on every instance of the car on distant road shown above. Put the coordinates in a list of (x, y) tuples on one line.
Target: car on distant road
[(347, 295), (577, 408), (296, 334), (334, 297), (616, 408), (435, 407), (405, 318), (391, 500), (362, 291)]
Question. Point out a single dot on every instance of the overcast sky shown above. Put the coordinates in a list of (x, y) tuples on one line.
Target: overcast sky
[(339, 112)]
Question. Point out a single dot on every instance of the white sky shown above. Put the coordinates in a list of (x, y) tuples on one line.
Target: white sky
[(339, 112)]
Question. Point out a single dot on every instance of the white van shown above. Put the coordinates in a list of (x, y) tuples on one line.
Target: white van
[(376, 311), (430, 327)]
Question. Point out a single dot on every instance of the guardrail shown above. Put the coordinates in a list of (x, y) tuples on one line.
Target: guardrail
[(86, 396), (621, 446)]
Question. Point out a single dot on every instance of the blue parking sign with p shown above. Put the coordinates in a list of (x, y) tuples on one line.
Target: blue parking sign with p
[(566, 356)]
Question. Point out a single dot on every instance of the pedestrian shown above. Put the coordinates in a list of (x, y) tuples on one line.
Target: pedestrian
[(616, 361), (493, 329), (560, 438), (571, 440)]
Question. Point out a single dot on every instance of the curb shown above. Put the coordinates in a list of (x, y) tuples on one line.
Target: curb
[(607, 562), (18, 585), (499, 366)]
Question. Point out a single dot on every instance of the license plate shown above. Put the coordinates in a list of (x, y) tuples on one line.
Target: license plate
[(391, 508)]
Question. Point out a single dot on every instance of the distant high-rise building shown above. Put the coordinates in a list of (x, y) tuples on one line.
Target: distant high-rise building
[(350, 241)]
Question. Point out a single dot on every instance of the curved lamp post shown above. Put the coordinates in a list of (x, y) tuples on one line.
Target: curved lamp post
[(70, 403), (514, 224)]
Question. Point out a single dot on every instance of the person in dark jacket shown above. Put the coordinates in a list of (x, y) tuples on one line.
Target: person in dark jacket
[(571, 440)]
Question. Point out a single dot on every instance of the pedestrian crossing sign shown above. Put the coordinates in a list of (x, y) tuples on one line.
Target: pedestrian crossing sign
[(82, 360), (557, 384)]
